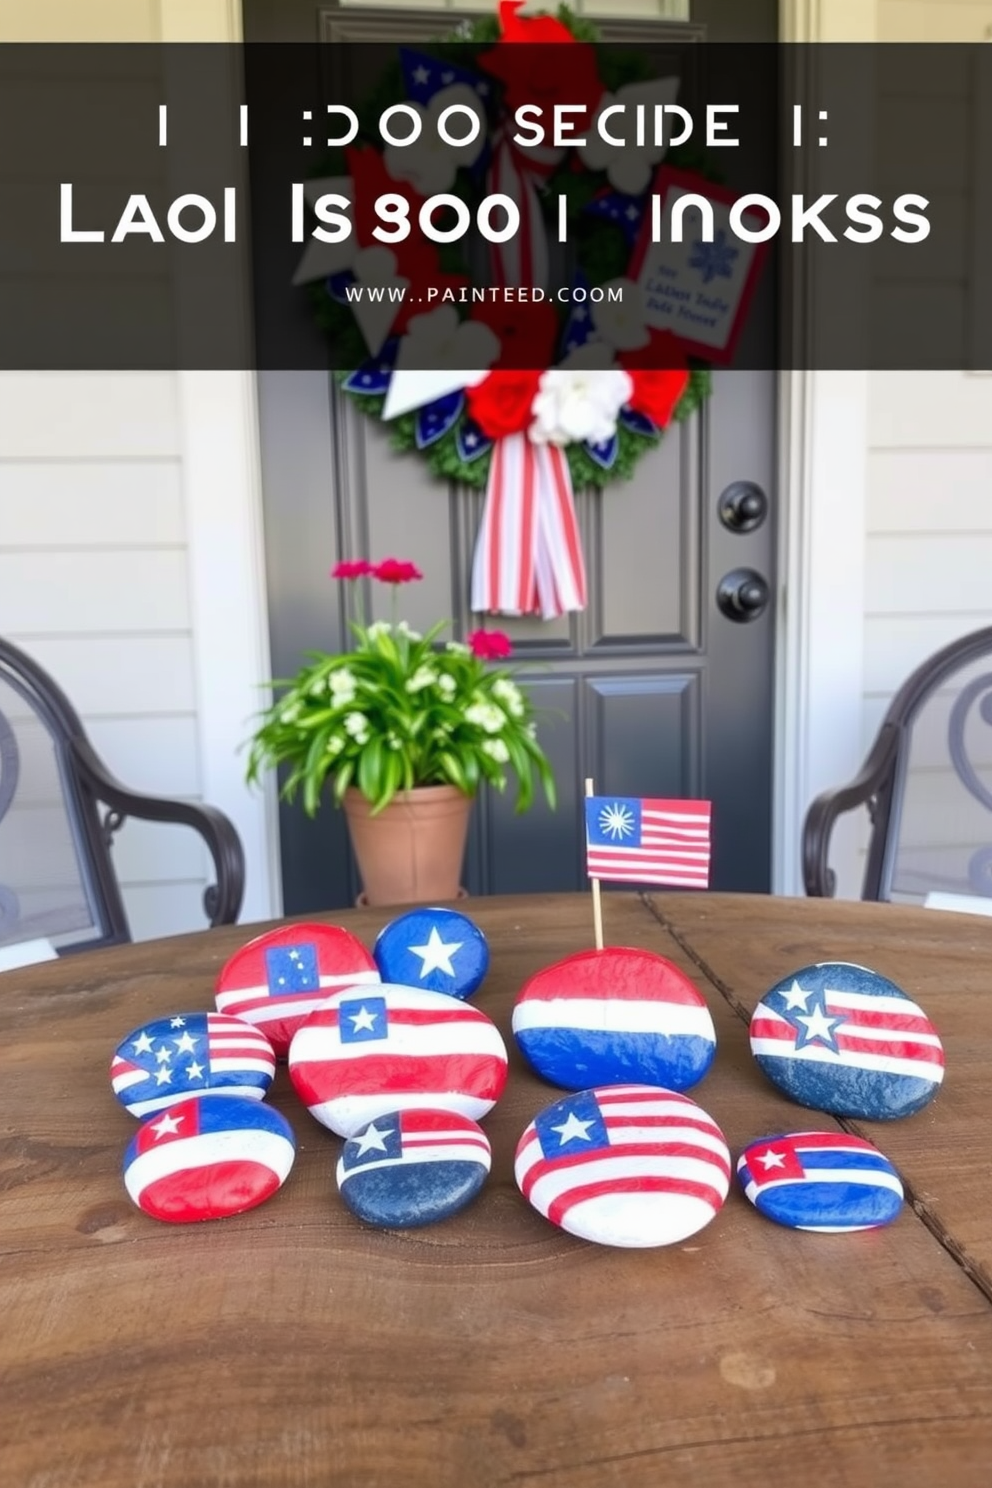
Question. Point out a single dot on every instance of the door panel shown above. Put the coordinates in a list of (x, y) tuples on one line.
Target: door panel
[(652, 691)]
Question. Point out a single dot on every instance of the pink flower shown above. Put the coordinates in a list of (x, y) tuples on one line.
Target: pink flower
[(395, 571), (490, 645), (356, 568)]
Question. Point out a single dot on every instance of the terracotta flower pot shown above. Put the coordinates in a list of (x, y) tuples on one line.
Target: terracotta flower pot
[(412, 851)]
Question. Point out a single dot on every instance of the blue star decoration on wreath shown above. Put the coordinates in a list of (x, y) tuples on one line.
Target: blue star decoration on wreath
[(714, 260), (807, 1013)]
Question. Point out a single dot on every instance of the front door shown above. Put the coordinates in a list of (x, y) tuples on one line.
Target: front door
[(663, 686)]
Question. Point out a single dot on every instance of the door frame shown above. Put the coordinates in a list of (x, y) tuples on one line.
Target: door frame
[(822, 479)]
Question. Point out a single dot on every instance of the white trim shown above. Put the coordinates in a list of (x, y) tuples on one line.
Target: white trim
[(222, 490), (822, 484)]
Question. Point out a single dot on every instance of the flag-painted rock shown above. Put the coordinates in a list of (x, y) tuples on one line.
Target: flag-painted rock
[(627, 1165), (411, 1168), (392, 1048), (840, 1038), (825, 1181), (279, 978), (614, 1016), (171, 1059), (437, 949), (207, 1158)]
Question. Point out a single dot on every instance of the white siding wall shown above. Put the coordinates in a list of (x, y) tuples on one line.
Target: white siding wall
[(108, 503)]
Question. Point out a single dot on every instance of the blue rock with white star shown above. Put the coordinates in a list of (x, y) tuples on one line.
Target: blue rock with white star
[(411, 1168), (438, 950), (841, 1038)]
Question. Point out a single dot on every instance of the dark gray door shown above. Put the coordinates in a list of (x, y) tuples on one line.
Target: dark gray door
[(652, 691)]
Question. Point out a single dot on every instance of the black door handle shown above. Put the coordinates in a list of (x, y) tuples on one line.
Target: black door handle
[(743, 506), (743, 595)]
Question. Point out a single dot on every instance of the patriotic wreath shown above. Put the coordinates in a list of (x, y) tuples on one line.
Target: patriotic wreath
[(568, 395)]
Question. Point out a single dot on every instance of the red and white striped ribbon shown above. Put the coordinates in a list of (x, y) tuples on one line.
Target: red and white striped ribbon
[(528, 555), (523, 258)]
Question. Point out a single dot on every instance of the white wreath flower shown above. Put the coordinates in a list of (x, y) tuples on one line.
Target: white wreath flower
[(629, 168), (580, 400), (429, 164), (621, 322)]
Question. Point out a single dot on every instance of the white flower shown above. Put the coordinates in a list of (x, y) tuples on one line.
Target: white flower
[(378, 628), (621, 323), (405, 630), (290, 713), (457, 648), (424, 676), (447, 685), (486, 716), (629, 167), (496, 749), (342, 687), (510, 696), (335, 744), (357, 725), (429, 163), (577, 402)]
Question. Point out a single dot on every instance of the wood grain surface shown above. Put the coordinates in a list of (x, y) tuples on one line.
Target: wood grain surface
[(294, 1347)]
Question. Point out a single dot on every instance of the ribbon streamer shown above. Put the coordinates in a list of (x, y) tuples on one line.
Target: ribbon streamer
[(522, 260), (528, 556)]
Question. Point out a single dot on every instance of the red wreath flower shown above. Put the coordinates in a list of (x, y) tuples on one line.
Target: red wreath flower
[(395, 571), (531, 75), (490, 645), (501, 403), (356, 568)]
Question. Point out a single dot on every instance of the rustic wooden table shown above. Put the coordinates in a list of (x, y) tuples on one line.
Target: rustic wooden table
[(292, 1347)]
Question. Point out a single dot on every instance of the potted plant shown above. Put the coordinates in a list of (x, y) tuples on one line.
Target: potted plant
[(402, 729)]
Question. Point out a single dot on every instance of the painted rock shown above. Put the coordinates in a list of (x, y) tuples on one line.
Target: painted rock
[(277, 980), (613, 1017), (190, 1054), (841, 1038), (628, 1165), (825, 1181), (208, 1158), (437, 949), (392, 1048), (412, 1168)]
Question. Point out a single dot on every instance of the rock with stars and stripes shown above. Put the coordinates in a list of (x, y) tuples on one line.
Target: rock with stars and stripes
[(629, 1165), (171, 1059), (840, 1038), (824, 1181), (208, 1158), (612, 1017), (373, 1051), (437, 949), (411, 1168), (279, 978)]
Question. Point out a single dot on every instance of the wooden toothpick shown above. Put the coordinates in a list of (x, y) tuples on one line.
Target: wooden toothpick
[(597, 900)]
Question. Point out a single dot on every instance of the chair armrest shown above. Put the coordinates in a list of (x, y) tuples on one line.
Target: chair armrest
[(819, 879), (221, 901)]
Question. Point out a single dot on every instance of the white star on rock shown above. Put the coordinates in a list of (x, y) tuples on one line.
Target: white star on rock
[(142, 1044), (819, 1026), (421, 76), (163, 1076), (185, 1044), (194, 1071), (796, 997), (167, 1126), (373, 1140), (436, 954), (573, 1129), (177, 1023), (771, 1159), (363, 1019), (163, 1055)]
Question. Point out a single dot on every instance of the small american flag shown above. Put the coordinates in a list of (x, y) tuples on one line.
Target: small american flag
[(648, 841)]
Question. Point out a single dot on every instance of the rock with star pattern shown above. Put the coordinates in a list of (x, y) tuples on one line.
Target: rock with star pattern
[(628, 1165), (437, 949), (279, 978), (373, 1050), (208, 1158), (411, 1168), (841, 1038), (614, 1016), (166, 1061), (824, 1181)]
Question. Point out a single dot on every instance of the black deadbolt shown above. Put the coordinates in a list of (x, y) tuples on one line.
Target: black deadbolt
[(743, 506), (743, 595)]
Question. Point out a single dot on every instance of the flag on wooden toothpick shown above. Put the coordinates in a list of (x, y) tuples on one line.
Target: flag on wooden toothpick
[(648, 841)]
